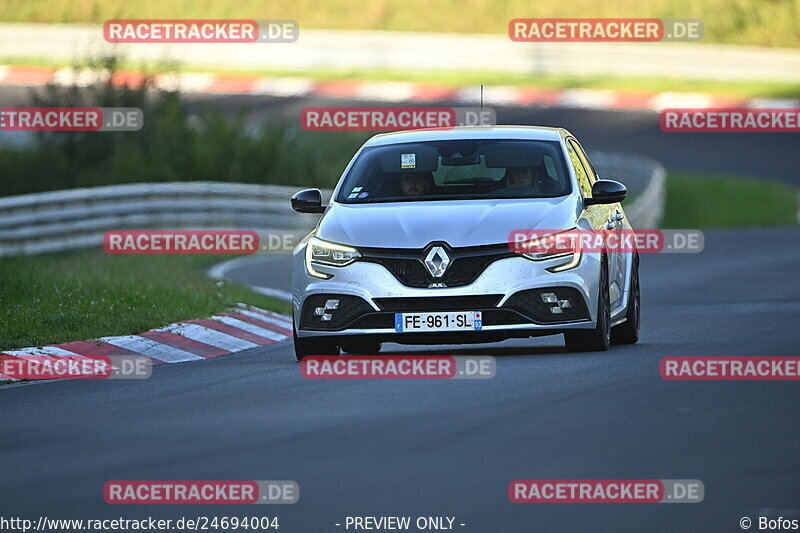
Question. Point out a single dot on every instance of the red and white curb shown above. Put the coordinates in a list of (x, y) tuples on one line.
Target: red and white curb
[(241, 328), (392, 91)]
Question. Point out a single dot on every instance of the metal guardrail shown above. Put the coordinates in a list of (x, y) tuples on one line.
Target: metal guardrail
[(78, 218)]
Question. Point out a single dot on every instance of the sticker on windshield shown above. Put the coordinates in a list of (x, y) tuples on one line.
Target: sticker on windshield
[(408, 160), (356, 189), (352, 195), (363, 194)]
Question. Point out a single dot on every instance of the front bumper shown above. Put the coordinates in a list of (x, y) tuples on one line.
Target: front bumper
[(507, 292)]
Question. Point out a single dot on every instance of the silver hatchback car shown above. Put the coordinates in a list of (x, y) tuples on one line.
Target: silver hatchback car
[(414, 246)]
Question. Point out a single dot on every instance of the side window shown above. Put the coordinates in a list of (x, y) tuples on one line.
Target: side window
[(580, 171), (586, 163)]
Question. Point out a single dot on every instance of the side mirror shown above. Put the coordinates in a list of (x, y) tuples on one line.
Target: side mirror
[(308, 201), (606, 192)]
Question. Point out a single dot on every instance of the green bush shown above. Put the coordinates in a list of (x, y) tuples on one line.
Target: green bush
[(171, 146), (720, 201)]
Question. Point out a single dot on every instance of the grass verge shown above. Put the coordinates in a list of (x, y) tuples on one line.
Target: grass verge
[(755, 22), (697, 200), (84, 295)]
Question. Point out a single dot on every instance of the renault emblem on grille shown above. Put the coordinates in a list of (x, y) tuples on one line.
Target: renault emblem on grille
[(437, 261)]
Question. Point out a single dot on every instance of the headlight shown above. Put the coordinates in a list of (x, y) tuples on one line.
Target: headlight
[(319, 252), (566, 245)]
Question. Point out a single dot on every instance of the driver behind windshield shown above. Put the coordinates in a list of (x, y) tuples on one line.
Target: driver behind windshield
[(415, 183)]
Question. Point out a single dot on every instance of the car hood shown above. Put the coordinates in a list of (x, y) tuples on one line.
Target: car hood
[(458, 223)]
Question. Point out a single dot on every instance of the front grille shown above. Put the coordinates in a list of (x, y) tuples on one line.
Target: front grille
[(439, 303), (466, 264), (530, 304), (375, 321), (409, 272), (347, 309)]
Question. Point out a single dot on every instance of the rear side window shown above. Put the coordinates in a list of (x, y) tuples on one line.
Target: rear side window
[(587, 164), (580, 171)]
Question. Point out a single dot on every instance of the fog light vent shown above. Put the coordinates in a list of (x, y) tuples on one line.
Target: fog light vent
[(549, 305), (332, 311)]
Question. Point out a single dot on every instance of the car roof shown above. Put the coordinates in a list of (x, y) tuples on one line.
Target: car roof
[(530, 133)]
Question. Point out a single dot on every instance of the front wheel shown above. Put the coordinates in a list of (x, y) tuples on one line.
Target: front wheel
[(628, 331), (303, 347), (599, 338)]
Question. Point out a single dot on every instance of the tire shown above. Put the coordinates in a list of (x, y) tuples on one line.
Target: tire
[(628, 331), (313, 346), (599, 338), (361, 347)]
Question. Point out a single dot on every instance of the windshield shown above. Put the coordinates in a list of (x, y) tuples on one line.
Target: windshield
[(452, 170)]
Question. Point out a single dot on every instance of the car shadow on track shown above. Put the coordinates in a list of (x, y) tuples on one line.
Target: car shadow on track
[(472, 349)]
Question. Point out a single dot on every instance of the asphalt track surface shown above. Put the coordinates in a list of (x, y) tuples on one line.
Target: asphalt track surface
[(450, 448)]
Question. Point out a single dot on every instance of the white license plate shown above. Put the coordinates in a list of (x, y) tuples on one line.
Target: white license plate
[(447, 321)]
